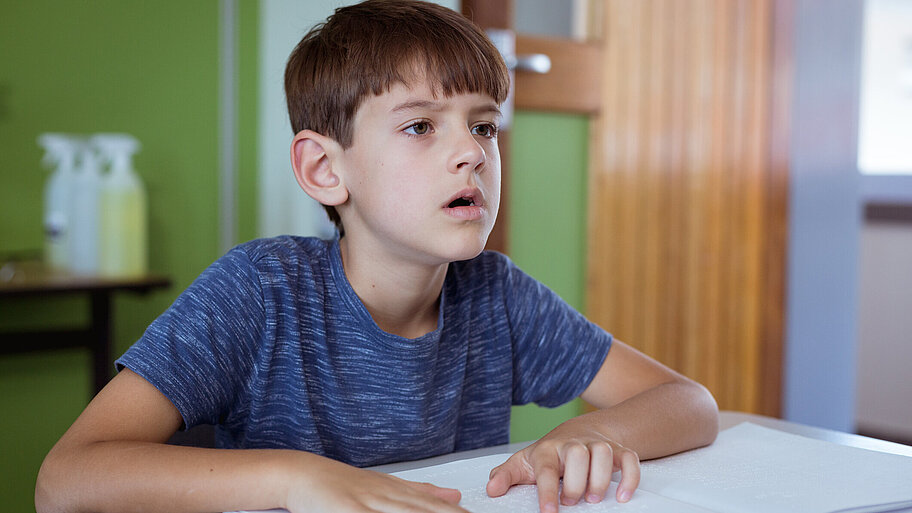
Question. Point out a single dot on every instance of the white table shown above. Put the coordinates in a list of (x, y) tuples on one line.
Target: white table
[(727, 419)]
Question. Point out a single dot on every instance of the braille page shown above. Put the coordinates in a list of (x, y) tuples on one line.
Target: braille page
[(748, 469), (471, 477), (752, 469)]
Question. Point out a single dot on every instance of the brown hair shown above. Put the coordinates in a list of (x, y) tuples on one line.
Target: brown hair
[(368, 47)]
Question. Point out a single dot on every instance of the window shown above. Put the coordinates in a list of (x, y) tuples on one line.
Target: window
[(885, 112)]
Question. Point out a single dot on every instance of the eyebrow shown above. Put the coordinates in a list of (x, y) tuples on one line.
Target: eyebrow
[(438, 106)]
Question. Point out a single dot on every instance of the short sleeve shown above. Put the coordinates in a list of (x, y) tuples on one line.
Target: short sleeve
[(199, 353), (556, 350)]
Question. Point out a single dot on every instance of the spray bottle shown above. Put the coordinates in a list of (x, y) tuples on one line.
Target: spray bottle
[(61, 155), (123, 241), (85, 219)]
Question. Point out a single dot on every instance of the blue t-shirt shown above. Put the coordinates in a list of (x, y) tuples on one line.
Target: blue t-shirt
[(272, 345)]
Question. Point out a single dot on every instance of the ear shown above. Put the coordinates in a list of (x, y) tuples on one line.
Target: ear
[(312, 157)]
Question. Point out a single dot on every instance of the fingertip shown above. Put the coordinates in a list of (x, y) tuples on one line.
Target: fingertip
[(630, 476), (495, 487), (455, 495), (624, 495), (451, 495)]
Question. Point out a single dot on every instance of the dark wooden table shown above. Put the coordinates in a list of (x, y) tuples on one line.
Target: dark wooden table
[(31, 279)]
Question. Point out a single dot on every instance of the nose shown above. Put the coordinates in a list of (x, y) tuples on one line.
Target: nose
[(468, 154)]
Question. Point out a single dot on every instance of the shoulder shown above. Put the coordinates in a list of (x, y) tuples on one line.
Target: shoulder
[(285, 247), (282, 255)]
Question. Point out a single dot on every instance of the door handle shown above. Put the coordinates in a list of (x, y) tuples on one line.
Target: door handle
[(505, 42), (533, 63)]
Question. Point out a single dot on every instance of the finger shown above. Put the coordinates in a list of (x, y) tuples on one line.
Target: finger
[(576, 473), (515, 470), (629, 463), (601, 466), (547, 479), (450, 495), (423, 504), (429, 498)]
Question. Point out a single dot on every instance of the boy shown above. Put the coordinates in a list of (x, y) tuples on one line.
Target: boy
[(399, 340)]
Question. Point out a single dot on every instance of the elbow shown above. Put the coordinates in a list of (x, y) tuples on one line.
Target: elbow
[(43, 496), (708, 415), (48, 487)]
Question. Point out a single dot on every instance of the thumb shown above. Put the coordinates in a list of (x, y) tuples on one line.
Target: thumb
[(512, 472), (450, 495)]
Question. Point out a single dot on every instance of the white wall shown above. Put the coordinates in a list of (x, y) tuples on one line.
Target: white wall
[(885, 131), (284, 207)]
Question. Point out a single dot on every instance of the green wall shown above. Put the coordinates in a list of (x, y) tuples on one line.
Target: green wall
[(150, 69), (146, 68), (548, 225)]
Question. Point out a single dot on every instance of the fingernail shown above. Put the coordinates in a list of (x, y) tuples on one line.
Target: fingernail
[(593, 498), (624, 496), (568, 501)]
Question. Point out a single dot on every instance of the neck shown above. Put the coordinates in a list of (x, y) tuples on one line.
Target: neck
[(403, 298)]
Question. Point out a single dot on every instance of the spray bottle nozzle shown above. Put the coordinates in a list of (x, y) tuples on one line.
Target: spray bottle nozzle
[(60, 150), (117, 149)]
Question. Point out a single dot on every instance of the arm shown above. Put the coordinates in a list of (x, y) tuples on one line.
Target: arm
[(114, 458), (645, 410)]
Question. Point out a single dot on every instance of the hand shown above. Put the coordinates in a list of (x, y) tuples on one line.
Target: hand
[(342, 488), (582, 456)]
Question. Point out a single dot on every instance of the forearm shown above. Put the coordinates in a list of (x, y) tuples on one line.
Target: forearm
[(660, 421), (139, 476)]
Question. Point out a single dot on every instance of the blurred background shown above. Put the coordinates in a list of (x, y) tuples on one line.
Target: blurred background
[(725, 184)]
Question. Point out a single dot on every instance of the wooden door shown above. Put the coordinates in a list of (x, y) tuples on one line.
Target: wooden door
[(688, 179), (688, 202)]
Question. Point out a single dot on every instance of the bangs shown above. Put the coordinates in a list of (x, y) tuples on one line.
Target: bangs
[(440, 46), (448, 69)]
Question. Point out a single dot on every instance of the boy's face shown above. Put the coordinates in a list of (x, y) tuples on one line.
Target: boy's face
[(423, 174)]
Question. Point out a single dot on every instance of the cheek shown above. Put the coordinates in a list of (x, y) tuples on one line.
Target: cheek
[(399, 190), (492, 176)]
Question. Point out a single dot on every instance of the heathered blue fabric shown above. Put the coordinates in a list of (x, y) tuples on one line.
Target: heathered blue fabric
[(273, 346)]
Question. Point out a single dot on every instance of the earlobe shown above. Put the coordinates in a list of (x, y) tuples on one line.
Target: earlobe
[(312, 160)]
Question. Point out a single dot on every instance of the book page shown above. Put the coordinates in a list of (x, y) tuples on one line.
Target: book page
[(471, 477), (748, 469), (753, 469)]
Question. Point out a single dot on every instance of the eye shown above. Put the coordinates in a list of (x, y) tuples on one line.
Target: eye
[(418, 128), (485, 130)]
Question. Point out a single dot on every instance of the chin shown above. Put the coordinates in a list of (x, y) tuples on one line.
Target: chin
[(469, 249)]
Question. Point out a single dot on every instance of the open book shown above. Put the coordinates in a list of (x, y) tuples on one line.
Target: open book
[(749, 469)]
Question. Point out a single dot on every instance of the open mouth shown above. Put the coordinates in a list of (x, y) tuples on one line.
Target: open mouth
[(465, 201), (466, 198)]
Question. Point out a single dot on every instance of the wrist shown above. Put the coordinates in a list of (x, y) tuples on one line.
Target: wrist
[(301, 475)]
